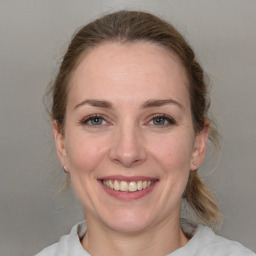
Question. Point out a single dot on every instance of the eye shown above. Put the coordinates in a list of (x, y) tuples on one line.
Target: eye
[(162, 120), (94, 121)]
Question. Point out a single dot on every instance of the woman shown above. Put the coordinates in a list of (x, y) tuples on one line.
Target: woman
[(130, 120)]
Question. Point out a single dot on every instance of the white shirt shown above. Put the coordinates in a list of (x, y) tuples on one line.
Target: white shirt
[(204, 242)]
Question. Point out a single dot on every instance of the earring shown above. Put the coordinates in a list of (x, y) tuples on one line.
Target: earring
[(65, 169), (194, 163)]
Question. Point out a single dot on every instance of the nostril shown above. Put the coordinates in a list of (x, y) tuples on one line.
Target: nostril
[(127, 148)]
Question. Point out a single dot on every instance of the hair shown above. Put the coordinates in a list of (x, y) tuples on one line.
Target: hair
[(134, 26)]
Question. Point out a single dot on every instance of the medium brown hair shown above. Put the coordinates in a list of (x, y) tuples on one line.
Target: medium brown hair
[(133, 26)]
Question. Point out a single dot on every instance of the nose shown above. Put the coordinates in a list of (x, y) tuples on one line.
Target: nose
[(128, 148)]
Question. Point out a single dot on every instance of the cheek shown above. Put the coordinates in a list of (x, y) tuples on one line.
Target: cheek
[(174, 154), (84, 153)]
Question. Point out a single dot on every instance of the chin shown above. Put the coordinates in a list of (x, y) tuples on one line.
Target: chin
[(129, 222)]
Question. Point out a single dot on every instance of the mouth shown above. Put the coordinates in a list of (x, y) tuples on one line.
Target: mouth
[(125, 186), (128, 188)]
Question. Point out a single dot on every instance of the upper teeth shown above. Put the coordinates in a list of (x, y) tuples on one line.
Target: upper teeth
[(124, 186)]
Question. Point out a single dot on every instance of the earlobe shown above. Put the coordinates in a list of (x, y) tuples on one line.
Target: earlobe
[(199, 150), (59, 142)]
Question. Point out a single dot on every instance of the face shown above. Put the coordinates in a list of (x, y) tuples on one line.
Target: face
[(128, 140)]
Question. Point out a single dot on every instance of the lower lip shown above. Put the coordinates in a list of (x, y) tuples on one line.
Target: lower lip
[(128, 196)]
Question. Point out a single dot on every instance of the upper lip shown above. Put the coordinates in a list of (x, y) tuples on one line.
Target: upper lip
[(128, 178)]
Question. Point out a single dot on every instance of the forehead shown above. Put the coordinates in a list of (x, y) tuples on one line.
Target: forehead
[(115, 70)]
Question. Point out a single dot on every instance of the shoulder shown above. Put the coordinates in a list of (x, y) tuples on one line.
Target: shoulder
[(230, 247), (56, 249), (206, 242), (68, 244), (49, 251)]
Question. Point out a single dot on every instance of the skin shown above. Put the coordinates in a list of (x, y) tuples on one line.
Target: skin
[(126, 141)]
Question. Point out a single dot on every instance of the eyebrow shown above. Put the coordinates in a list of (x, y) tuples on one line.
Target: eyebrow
[(159, 103), (95, 103), (147, 104)]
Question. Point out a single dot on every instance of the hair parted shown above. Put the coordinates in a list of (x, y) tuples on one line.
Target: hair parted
[(128, 27)]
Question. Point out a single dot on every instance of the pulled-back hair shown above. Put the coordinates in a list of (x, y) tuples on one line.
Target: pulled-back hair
[(133, 26)]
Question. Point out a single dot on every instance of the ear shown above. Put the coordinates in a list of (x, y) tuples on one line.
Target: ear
[(199, 150), (59, 142)]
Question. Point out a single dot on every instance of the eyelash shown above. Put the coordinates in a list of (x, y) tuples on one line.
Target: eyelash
[(164, 117), (86, 120)]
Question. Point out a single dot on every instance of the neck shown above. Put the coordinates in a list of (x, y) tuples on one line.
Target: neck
[(162, 239)]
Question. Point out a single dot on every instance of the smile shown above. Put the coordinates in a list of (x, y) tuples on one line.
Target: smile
[(128, 188), (124, 186)]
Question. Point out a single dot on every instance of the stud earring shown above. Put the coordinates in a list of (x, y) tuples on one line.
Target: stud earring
[(194, 163), (65, 169)]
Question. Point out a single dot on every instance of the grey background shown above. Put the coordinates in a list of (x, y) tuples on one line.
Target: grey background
[(34, 35)]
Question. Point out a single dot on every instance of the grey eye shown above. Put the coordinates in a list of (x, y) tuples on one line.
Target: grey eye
[(96, 121), (162, 120), (159, 120)]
